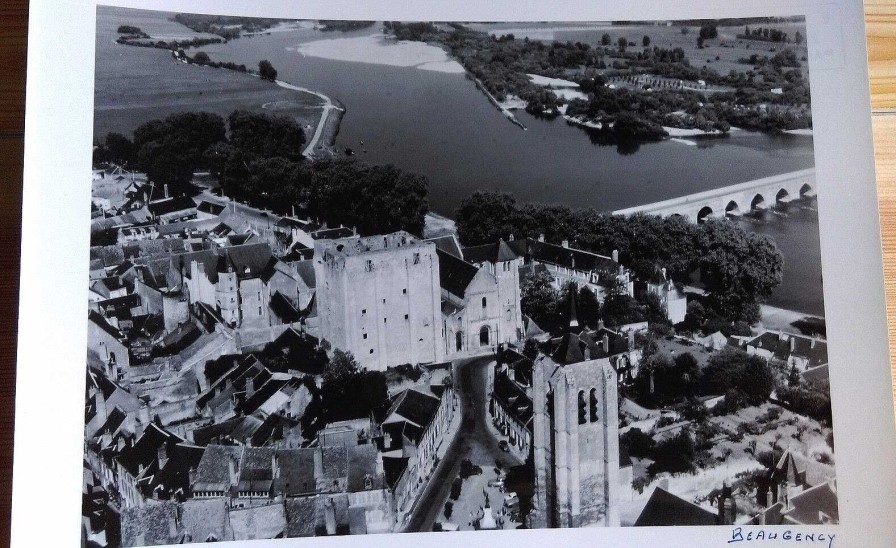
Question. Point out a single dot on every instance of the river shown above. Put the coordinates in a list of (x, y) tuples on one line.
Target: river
[(440, 125)]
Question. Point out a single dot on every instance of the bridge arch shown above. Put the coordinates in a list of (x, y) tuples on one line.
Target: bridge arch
[(704, 213), (807, 190), (782, 196), (732, 208), (758, 202)]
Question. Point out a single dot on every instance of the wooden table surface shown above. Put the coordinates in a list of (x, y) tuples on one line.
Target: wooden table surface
[(881, 31)]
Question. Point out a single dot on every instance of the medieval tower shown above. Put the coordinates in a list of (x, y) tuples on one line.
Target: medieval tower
[(378, 297), (575, 439)]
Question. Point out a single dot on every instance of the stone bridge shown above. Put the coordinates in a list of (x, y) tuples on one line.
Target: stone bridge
[(736, 199)]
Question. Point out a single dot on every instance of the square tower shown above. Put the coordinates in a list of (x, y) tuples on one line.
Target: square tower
[(378, 297), (575, 443)]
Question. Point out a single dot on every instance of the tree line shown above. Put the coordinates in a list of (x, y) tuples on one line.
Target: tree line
[(739, 269), (257, 159)]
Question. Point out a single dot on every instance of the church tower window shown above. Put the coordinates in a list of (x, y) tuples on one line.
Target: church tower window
[(593, 404), (582, 415)]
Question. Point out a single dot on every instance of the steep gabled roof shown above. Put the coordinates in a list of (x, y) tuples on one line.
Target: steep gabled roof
[(455, 274), (665, 509), (492, 253)]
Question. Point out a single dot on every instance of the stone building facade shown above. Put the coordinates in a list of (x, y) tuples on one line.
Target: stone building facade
[(378, 297), (575, 443)]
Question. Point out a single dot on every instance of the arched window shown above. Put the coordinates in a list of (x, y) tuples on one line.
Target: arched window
[(582, 415), (483, 336), (593, 404), (484, 302)]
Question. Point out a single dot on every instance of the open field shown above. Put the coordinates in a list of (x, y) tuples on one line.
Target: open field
[(727, 46), (135, 84)]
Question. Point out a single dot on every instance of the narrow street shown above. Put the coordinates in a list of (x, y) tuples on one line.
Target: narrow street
[(474, 441)]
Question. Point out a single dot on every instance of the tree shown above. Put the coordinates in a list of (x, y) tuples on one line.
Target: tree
[(483, 217), (343, 365), (638, 444), (539, 300), (645, 41), (266, 136), (350, 393), (201, 58), (700, 41), (674, 454), (606, 40), (169, 150), (120, 149), (734, 369), (622, 42), (375, 199), (709, 32), (267, 71)]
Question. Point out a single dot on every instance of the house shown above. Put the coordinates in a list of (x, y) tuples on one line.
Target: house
[(792, 350), (171, 210), (798, 491), (671, 297), (664, 509), (511, 409), (412, 429)]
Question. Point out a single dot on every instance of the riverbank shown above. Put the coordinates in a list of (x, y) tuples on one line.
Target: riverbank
[(327, 127), (792, 321)]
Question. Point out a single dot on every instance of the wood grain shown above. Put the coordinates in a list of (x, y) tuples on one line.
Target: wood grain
[(881, 32), (880, 20)]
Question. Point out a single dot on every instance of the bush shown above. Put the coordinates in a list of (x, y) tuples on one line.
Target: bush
[(467, 469), (637, 443), (675, 454), (456, 486), (449, 507)]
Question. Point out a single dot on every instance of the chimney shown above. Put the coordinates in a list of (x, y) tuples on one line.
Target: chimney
[(293, 210), (606, 342), (792, 344), (275, 465), (250, 387), (565, 243), (510, 238), (541, 237), (769, 498), (587, 353), (232, 469), (663, 270), (166, 190), (615, 255), (811, 343)]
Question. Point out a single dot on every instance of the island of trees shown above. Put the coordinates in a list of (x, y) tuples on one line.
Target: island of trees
[(771, 96)]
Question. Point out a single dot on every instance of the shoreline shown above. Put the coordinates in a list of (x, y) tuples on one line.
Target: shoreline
[(328, 125), (781, 319)]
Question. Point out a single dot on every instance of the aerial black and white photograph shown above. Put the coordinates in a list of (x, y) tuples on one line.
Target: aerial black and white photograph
[(353, 277)]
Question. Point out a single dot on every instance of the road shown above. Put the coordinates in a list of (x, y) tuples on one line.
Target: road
[(474, 441)]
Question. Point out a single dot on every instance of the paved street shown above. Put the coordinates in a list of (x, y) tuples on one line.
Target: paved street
[(473, 441)]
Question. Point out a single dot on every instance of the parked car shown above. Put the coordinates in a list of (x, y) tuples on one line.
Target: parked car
[(497, 482)]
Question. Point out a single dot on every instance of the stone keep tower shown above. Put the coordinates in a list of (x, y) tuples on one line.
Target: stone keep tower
[(379, 298), (575, 444)]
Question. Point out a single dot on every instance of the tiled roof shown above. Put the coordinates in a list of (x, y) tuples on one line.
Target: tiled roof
[(562, 256), (448, 244), (814, 506), (296, 472), (491, 253), (209, 207), (455, 274), (665, 509), (204, 520), (171, 205), (300, 514), (260, 522), (513, 398), (414, 406), (150, 525), (214, 467)]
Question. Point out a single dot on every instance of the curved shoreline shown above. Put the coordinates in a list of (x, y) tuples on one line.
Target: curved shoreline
[(332, 112)]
